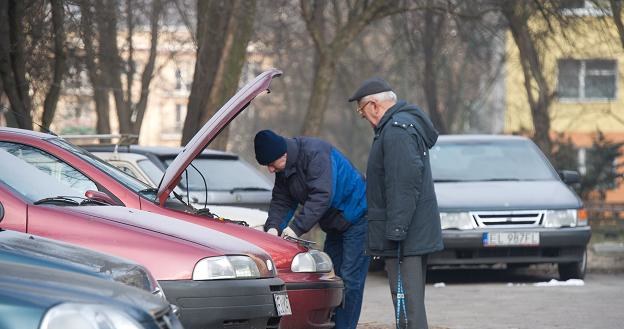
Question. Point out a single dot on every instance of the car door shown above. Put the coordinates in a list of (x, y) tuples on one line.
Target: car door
[(15, 210)]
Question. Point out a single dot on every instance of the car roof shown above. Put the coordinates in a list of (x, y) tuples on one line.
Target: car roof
[(25, 132), (155, 150), (480, 138)]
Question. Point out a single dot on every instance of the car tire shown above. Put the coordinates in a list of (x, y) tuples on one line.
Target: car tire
[(574, 270)]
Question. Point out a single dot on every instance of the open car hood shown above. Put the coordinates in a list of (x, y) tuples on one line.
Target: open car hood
[(211, 129)]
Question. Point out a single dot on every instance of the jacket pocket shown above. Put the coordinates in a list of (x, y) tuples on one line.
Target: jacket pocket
[(376, 229)]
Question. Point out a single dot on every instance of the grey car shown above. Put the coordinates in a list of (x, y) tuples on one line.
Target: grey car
[(501, 201), (41, 297)]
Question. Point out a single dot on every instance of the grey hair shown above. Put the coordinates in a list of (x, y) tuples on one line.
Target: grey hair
[(380, 97)]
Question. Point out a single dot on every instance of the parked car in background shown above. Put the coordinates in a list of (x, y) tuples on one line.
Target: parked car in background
[(215, 279), (501, 201), (41, 297), (314, 290), (232, 187)]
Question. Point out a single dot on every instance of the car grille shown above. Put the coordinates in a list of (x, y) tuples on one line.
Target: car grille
[(518, 218)]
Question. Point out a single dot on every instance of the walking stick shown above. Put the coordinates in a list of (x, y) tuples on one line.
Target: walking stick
[(400, 307)]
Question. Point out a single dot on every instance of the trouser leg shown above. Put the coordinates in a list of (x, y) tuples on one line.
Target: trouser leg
[(414, 275), (352, 269)]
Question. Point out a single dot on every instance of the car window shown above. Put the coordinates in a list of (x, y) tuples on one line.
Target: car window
[(154, 174), (489, 160), (50, 165), (125, 167), (223, 174), (31, 182), (130, 182)]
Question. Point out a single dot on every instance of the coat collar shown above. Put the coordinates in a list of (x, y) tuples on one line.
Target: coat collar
[(389, 113), (292, 151)]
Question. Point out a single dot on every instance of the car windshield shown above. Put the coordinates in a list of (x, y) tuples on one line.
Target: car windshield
[(224, 174), (489, 161), (30, 182), (129, 181)]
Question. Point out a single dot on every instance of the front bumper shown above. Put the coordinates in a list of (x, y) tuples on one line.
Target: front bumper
[(225, 303), (556, 245), (313, 303)]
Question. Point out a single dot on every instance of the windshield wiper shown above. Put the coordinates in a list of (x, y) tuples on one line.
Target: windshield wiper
[(245, 189), (447, 180), (58, 199)]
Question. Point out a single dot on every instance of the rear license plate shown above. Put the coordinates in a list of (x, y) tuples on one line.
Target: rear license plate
[(282, 304), (495, 239)]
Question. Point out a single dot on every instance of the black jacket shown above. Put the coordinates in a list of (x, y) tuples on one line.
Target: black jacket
[(402, 204), (323, 180)]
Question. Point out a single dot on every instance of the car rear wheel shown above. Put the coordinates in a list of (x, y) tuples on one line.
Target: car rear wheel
[(574, 270)]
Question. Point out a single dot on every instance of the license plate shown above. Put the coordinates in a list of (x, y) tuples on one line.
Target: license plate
[(494, 239), (282, 304)]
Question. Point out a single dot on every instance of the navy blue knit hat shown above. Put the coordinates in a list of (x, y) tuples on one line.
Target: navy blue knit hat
[(269, 146)]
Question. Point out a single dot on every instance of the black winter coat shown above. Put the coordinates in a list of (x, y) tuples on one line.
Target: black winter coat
[(401, 199)]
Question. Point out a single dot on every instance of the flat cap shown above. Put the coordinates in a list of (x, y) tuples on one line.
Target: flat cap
[(369, 87)]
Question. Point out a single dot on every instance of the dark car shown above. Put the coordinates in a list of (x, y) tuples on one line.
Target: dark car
[(220, 178), (501, 201), (39, 297)]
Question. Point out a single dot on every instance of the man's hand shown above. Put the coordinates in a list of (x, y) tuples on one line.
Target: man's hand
[(272, 231), (289, 232)]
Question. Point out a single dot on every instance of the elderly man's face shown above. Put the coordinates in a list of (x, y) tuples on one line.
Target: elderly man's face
[(277, 165), (367, 110)]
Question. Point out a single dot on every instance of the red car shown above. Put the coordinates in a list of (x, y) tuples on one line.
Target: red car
[(214, 278), (313, 289)]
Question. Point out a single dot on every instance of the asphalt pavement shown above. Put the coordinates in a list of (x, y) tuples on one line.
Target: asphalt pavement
[(499, 298)]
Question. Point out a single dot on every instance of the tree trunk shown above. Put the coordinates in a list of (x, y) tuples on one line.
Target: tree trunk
[(223, 34), (98, 83), (12, 63), (430, 75), (106, 16), (148, 70), (533, 75), (616, 10), (360, 15), (49, 105), (323, 79)]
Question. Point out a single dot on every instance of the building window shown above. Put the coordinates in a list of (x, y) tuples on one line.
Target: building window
[(178, 77), (593, 79), (180, 112)]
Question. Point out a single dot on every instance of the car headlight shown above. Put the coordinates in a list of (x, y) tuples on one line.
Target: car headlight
[(312, 261), (87, 316), (456, 220), (567, 217), (226, 267)]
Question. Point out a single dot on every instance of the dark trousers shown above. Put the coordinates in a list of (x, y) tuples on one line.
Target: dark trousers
[(351, 264), (413, 275)]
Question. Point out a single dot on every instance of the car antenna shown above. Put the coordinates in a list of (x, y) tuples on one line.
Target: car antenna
[(44, 129)]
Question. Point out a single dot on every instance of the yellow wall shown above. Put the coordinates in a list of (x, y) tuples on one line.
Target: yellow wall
[(591, 37)]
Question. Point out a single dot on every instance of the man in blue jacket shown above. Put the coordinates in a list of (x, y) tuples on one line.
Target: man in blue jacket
[(312, 173)]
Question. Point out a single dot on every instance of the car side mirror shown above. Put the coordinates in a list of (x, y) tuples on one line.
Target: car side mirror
[(1, 212), (100, 196), (570, 177)]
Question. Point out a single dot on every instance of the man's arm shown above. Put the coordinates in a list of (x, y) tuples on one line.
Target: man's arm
[(319, 185), (403, 168), (282, 207)]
